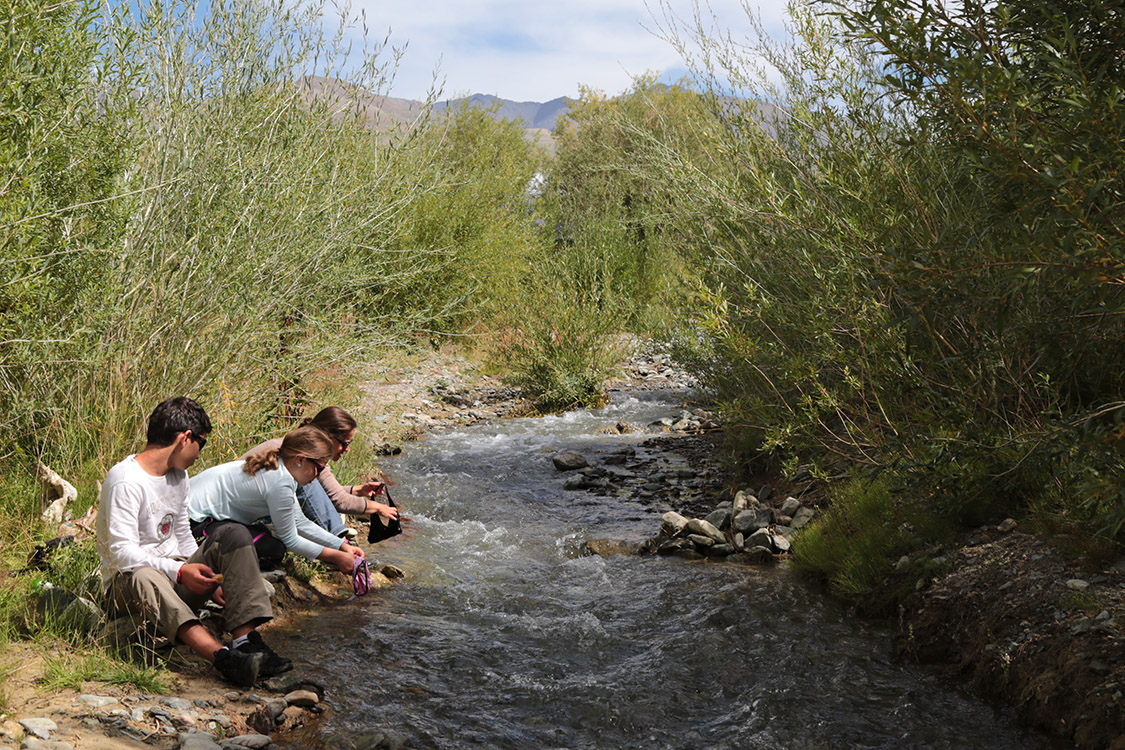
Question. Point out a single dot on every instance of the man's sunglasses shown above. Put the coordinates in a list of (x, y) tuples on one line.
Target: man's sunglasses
[(199, 439)]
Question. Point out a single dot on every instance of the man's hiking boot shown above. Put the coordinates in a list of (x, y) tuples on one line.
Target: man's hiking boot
[(272, 664), (238, 667)]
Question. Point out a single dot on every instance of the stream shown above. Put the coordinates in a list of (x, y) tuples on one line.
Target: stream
[(504, 635)]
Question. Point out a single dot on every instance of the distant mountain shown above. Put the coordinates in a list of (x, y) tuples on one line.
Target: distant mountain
[(383, 111), (539, 119), (534, 114), (378, 111)]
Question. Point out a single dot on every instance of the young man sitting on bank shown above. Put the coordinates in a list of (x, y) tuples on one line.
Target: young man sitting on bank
[(154, 570)]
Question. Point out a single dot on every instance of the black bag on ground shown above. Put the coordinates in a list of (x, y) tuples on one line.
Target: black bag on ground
[(37, 560), (379, 530)]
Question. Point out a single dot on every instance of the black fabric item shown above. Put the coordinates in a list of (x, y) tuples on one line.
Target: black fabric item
[(269, 548), (42, 552), (380, 531)]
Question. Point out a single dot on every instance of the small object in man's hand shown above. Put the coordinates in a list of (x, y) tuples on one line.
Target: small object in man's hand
[(218, 578)]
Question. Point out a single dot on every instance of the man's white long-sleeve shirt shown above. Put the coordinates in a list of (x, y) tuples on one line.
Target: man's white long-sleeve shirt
[(143, 521)]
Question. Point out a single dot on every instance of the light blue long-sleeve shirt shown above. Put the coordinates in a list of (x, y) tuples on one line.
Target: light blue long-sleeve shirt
[(227, 493)]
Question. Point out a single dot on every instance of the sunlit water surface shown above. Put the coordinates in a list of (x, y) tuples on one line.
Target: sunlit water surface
[(503, 636)]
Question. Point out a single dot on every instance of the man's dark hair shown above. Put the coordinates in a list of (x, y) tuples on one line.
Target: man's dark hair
[(174, 416)]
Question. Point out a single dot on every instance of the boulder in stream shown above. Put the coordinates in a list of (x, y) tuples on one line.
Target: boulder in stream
[(760, 538), (672, 523), (675, 546), (569, 461), (704, 528), (802, 517), (754, 556), (789, 506), (719, 518), (611, 547), (701, 540)]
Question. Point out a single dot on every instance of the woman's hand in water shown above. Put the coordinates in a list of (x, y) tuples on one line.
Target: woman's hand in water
[(352, 550), (343, 558)]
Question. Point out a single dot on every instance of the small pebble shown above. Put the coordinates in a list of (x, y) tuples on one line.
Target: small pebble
[(303, 698), (39, 727), (30, 743)]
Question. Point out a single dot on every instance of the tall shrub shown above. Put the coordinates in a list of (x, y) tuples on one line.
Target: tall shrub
[(914, 258), (469, 234), (185, 208), (610, 221), (63, 149), (1028, 99), (797, 333)]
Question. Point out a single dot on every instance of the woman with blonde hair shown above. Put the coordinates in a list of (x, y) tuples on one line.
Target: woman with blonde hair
[(227, 498), (324, 498)]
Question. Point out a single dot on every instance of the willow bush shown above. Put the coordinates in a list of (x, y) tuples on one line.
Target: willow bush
[(796, 332), (1027, 99), (912, 260), (63, 155), (611, 224), (607, 258), (193, 202), (470, 229), (559, 349)]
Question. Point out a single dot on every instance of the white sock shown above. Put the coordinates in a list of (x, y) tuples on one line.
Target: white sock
[(239, 641)]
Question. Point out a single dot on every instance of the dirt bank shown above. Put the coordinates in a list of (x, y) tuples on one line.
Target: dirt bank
[(1032, 628)]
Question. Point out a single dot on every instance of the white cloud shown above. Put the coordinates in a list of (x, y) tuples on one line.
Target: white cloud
[(533, 51)]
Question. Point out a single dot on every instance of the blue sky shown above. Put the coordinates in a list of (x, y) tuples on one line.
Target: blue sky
[(536, 50)]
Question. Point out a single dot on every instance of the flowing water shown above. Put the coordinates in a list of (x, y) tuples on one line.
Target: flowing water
[(504, 636)]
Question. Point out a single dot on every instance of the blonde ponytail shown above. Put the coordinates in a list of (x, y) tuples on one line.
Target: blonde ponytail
[(303, 441), (265, 460)]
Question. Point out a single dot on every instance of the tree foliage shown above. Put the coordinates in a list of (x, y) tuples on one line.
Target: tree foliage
[(915, 259), (192, 201), (613, 223)]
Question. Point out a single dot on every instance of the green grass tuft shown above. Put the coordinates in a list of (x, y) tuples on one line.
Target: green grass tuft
[(855, 545)]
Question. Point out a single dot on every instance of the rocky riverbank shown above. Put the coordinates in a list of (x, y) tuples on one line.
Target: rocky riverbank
[(203, 713)]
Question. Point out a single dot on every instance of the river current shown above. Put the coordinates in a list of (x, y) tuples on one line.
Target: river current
[(504, 636)]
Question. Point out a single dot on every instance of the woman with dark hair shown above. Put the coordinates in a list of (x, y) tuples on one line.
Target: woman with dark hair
[(324, 499), (228, 498)]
